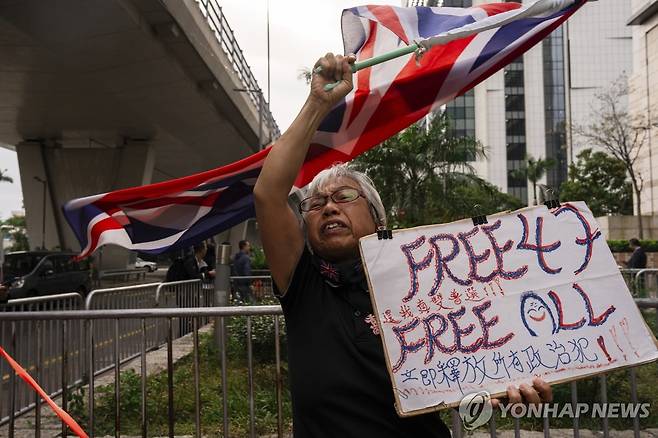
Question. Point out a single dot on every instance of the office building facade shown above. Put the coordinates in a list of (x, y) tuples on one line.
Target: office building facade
[(530, 107), (643, 97)]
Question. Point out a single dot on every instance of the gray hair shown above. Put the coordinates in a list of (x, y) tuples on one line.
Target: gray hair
[(366, 185)]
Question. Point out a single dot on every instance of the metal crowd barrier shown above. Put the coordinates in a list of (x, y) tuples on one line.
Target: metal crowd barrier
[(641, 282), (69, 318), (42, 355), (141, 296), (118, 276), (628, 275), (646, 282), (38, 347), (93, 317), (187, 293)]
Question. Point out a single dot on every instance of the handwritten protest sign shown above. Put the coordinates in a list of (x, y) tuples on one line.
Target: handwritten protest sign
[(534, 292)]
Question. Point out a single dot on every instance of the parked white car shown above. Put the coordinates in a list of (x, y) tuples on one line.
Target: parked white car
[(143, 264)]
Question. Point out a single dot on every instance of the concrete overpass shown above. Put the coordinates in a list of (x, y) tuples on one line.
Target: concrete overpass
[(97, 95)]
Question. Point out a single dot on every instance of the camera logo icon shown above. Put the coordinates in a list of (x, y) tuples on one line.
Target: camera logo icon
[(475, 409)]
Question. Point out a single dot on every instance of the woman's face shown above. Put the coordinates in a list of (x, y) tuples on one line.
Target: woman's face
[(334, 230)]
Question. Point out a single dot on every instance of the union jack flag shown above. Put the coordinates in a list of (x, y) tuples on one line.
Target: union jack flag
[(386, 99)]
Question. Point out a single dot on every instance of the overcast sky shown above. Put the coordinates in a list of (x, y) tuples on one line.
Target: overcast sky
[(300, 32), (11, 197)]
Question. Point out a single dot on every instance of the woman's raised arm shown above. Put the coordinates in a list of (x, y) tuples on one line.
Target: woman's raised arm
[(281, 234)]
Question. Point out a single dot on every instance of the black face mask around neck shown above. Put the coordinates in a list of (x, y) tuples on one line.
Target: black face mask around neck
[(347, 273)]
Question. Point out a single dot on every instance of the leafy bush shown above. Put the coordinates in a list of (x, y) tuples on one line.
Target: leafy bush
[(262, 335), (601, 180), (258, 260), (622, 245)]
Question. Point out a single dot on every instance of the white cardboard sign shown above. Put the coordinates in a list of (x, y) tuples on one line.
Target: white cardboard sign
[(464, 308)]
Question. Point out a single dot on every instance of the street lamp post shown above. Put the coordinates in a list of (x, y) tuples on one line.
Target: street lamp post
[(3, 229), (261, 106), (43, 216)]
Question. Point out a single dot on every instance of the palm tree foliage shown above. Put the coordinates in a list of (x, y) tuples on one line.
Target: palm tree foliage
[(425, 175), (17, 232), (534, 170)]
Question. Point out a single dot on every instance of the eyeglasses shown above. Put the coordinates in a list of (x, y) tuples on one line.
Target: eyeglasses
[(339, 196)]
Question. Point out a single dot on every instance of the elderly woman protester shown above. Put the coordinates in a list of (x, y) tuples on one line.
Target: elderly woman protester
[(339, 383)]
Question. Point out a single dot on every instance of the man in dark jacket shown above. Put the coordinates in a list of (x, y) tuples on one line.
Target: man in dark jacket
[(211, 254), (242, 268), (638, 259), (194, 267)]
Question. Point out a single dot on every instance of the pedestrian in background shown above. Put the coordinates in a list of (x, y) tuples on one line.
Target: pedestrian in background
[(242, 268), (211, 254), (195, 264), (638, 259)]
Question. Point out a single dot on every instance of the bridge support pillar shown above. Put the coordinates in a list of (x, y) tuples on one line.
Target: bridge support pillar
[(62, 172)]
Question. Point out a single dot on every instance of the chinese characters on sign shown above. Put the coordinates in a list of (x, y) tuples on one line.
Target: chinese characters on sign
[(535, 292)]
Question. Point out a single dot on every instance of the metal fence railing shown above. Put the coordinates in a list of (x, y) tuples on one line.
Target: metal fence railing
[(216, 19), (140, 296), (187, 293), (169, 315), (115, 277), (38, 348), (641, 282), (251, 312), (42, 354)]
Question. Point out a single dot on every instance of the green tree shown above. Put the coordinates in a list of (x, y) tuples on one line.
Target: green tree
[(4, 177), (601, 180), (17, 231), (534, 170), (620, 134), (424, 176)]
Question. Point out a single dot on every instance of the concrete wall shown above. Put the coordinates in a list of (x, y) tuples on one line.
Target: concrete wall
[(625, 227)]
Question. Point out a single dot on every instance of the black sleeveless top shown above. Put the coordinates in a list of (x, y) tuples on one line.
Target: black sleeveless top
[(339, 383)]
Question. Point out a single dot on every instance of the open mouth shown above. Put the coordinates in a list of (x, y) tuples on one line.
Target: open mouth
[(333, 227)]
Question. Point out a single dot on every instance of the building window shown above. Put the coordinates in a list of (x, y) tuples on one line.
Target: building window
[(514, 78), (515, 103), (515, 128), (461, 112), (515, 151), (555, 107)]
